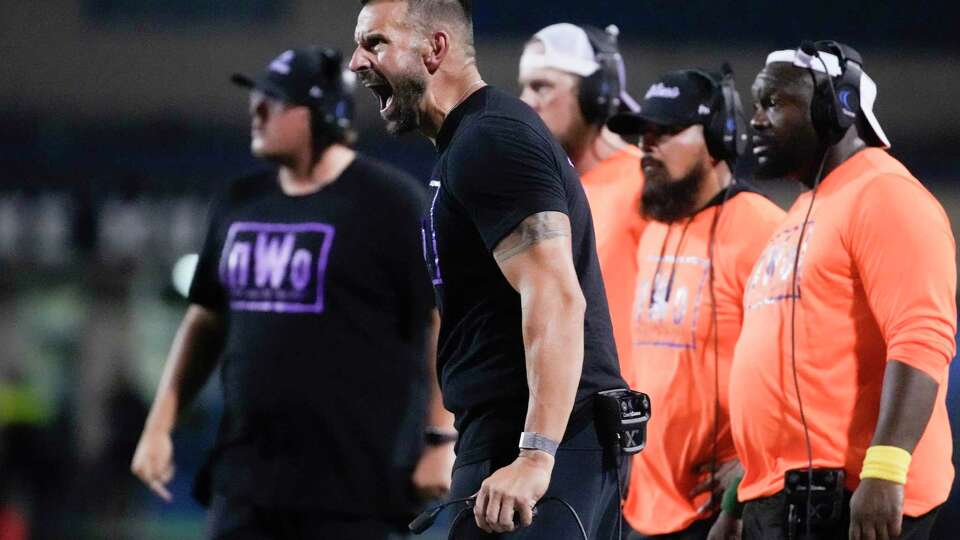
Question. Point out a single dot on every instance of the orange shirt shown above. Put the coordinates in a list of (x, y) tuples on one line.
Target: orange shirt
[(674, 354), (613, 189), (876, 281)]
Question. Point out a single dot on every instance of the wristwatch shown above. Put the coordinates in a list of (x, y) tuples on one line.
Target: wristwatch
[(435, 436)]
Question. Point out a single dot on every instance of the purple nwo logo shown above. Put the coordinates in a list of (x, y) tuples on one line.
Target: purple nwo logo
[(275, 266)]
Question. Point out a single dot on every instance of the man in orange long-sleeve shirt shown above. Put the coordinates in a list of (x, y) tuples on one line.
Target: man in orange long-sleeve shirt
[(574, 78), (696, 254), (842, 360)]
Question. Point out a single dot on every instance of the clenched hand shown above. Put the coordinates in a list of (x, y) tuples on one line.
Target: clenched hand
[(515, 488)]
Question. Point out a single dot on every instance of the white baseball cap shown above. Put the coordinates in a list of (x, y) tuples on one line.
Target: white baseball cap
[(566, 47)]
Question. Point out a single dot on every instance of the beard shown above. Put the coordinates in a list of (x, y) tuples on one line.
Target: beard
[(400, 101), (404, 114), (667, 200), (786, 158), (776, 163)]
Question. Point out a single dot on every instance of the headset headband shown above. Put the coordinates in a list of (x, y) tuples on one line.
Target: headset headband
[(830, 64)]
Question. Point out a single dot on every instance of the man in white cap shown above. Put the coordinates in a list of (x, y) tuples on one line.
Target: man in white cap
[(837, 390), (574, 78)]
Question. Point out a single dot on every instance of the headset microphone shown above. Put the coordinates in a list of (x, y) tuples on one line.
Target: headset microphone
[(424, 520), (811, 50), (808, 47)]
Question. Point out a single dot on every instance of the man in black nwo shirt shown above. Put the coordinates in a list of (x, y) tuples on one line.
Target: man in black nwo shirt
[(311, 293), (525, 340)]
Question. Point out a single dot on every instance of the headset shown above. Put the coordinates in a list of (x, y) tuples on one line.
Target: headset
[(836, 100), (600, 92), (726, 130), (833, 109), (331, 100)]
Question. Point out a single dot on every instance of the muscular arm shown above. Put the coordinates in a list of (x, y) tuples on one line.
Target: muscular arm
[(537, 261)]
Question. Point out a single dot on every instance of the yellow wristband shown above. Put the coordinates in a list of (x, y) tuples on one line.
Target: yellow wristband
[(886, 463)]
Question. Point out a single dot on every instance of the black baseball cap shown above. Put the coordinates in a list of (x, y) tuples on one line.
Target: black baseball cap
[(679, 98), (298, 76)]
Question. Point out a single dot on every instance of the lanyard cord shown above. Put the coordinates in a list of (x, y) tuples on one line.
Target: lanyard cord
[(673, 263)]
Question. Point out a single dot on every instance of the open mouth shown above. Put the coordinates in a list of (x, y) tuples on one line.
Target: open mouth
[(384, 93)]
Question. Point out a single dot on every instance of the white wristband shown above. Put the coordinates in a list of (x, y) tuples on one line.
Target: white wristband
[(530, 440)]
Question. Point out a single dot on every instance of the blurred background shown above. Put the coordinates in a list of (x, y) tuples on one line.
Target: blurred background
[(117, 122)]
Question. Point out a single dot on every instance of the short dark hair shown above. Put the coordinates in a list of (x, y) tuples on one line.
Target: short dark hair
[(456, 12)]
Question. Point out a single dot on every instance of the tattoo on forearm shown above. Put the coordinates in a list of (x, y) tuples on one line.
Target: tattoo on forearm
[(531, 231)]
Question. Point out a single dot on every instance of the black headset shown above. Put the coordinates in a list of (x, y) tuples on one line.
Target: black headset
[(836, 100), (331, 100), (600, 92), (726, 129)]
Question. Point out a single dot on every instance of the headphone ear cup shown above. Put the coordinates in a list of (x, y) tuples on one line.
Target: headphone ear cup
[(847, 104), (611, 84), (591, 98), (331, 112), (836, 104), (734, 128), (726, 132), (599, 95), (821, 113), (600, 92), (849, 100), (713, 132), (713, 129)]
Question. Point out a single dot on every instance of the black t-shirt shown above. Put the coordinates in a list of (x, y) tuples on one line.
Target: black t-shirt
[(498, 165), (323, 370)]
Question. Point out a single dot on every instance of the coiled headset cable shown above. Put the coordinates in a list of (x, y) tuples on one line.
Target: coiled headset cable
[(428, 517)]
